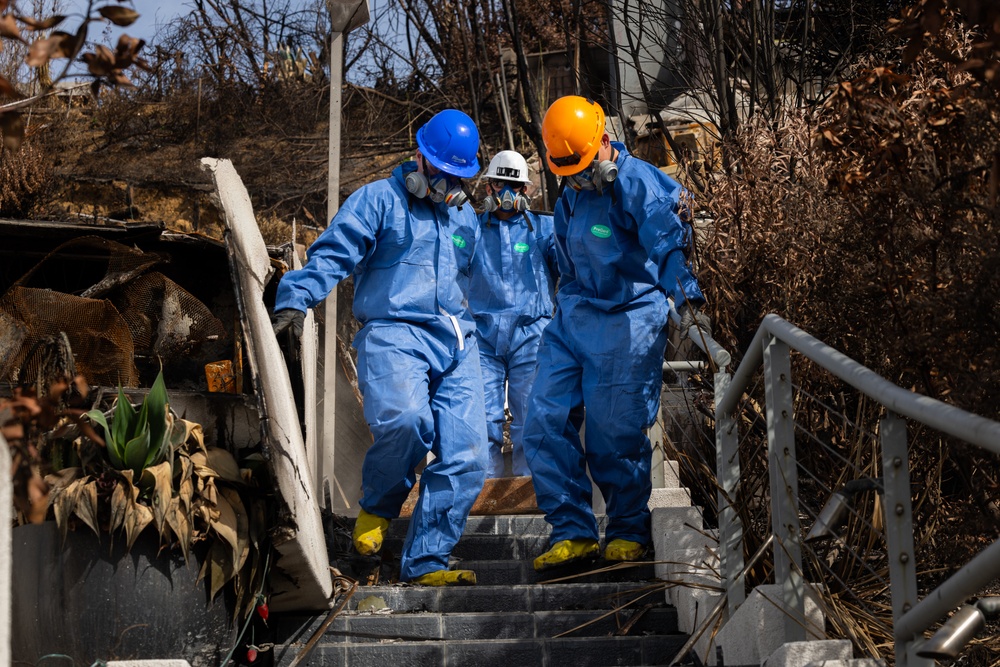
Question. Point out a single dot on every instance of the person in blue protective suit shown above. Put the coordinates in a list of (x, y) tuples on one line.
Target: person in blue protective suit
[(511, 291), (409, 241), (622, 250)]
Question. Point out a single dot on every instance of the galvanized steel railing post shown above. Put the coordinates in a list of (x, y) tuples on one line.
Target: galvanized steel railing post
[(727, 462), (784, 485), (912, 617), (899, 531)]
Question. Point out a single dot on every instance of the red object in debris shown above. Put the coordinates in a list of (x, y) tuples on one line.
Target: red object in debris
[(263, 611), (252, 654)]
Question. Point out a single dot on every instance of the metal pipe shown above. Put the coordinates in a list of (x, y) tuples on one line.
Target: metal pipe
[(753, 360), (703, 340), (965, 583), (683, 366), (956, 632)]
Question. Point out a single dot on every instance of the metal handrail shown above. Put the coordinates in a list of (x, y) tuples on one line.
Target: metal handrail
[(771, 348), (702, 340), (943, 417)]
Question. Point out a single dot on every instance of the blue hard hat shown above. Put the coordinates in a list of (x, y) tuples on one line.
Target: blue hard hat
[(450, 141)]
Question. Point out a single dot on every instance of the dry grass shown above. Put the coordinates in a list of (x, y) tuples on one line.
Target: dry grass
[(872, 223)]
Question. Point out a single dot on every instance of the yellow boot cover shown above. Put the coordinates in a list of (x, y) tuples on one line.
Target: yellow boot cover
[(624, 550), (368, 533), (447, 578), (565, 552)]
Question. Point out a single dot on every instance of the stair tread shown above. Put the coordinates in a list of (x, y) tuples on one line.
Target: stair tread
[(518, 597), (590, 651), (367, 626), (568, 616)]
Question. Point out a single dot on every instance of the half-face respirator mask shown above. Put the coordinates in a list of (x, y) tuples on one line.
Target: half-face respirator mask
[(595, 177), (438, 188), (506, 200)]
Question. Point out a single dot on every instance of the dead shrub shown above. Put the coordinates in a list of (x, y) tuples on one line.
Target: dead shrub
[(872, 223), (24, 178), (278, 231)]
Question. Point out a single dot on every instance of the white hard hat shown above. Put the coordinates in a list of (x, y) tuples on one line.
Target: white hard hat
[(508, 166)]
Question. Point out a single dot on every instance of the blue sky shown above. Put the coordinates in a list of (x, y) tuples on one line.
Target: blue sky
[(152, 14)]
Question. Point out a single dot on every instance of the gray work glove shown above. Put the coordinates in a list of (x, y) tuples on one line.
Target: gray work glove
[(288, 320), (691, 316)]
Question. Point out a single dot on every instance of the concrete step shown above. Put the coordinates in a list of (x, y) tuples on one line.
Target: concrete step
[(570, 651), (517, 598), (511, 572), (361, 627), (511, 617), (487, 547)]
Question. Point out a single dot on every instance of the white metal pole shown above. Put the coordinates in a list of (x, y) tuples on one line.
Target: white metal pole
[(328, 390)]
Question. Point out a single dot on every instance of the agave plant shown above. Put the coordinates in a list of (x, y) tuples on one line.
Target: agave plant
[(138, 440), (159, 473)]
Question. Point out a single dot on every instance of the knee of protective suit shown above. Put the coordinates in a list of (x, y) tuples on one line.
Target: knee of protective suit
[(405, 429)]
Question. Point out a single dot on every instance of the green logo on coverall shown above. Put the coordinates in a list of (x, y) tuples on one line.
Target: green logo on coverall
[(458, 240), (600, 231), (521, 247)]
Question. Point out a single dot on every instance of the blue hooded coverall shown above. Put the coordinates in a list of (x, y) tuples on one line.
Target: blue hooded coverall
[(511, 297), (620, 253), (418, 360)]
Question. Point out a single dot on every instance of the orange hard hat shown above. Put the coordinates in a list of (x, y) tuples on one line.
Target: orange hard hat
[(572, 130)]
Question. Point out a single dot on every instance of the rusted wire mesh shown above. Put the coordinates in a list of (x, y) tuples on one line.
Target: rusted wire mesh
[(163, 318), (112, 307), (98, 335)]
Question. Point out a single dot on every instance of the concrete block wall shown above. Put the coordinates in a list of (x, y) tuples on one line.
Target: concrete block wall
[(687, 559), (757, 629), (799, 654)]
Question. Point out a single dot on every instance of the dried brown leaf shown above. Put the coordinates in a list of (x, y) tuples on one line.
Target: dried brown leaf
[(242, 550), (225, 524), (119, 15), (127, 50), (38, 499), (179, 521), (63, 504), (831, 137), (117, 78), (136, 519), (216, 462), (43, 50), (99, 63), (185, 489), (121, 499), (86, 504), (159, 477), (43, 24), (9, 29), (221, 568)]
